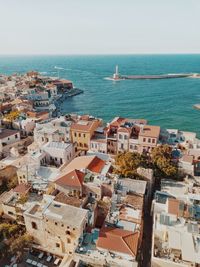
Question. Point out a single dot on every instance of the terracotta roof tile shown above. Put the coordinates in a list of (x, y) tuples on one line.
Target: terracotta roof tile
[(72, 179), (96, 165), (118, 240), (84, 125), (92, 163), (22, 188)]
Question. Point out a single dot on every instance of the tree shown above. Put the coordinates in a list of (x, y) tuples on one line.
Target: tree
[(128, 162), (21, 242), (22, 200), (162, 160), (8, 178), (13, 115), (8, 230)]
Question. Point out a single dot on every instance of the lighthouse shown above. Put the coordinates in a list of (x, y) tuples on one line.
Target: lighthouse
[(116, 74)]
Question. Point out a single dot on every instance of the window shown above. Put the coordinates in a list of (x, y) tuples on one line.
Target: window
[(122, 146), (131, 146), (75, 134), (56, 223), (73, 229), (10, 213), (16, 136), (149, 140), (57, 245), (120, 136), (61, 161), (144, 139), (68, 240), (125, 137), (55, 159), (34, 225), (79, 134), (153, 141), (68, 232), (84, 135)]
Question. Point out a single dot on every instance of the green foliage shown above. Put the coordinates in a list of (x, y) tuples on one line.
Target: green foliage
[(163, 164), (13, 115), (160, 161), (8, 178), (22, 200), (127, 163), (20, 242), (8, 230), (13, 182)]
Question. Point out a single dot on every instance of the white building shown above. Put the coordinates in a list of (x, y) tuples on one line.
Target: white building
[(8, 137), (58, 153)]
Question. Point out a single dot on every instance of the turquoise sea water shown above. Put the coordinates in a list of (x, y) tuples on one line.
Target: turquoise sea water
[(162, 102)]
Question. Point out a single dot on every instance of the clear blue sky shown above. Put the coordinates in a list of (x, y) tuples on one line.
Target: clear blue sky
[(99, 26)]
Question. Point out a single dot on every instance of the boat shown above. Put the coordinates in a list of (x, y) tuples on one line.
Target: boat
[(196, 106)]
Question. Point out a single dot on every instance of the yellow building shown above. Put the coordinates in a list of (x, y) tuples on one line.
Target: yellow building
[(82, 132)]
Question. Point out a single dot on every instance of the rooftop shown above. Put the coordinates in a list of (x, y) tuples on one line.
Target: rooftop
[(83, 125), (118, 240), (74, 178), (131, 185), (150, 131), (7, 132), (66, 213), (92, 163)]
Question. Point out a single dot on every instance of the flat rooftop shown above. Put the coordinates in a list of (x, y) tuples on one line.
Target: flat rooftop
[(72, 215)]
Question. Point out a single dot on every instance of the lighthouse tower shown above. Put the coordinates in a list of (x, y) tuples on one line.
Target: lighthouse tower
[(116, 74)]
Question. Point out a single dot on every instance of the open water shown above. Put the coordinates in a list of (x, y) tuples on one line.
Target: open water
[(168, 103)]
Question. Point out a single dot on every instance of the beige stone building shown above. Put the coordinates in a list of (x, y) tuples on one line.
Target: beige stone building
[(56, 227)]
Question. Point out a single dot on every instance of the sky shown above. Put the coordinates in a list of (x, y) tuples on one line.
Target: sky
[(99, 26)]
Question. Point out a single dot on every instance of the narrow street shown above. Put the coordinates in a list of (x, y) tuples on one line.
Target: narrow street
[(147, 238)]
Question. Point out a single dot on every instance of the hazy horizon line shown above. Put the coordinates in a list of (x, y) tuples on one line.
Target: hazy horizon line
[(103, 54)]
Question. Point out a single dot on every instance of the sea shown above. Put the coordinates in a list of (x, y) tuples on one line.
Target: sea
[(167, 102)]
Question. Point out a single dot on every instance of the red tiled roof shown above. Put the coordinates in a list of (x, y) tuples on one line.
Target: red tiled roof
[(92, 163), (118, 240), (96, 165), (22, 188), (84, 125), (117, 122), (74, 178)]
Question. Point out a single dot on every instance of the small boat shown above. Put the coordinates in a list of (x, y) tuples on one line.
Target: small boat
[(196, 106)]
